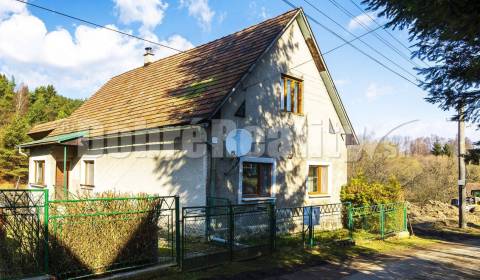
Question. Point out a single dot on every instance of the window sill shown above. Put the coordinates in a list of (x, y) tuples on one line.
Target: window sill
[(292, 113), (87, 187), (35, 185), (257, 198), (319, 195)]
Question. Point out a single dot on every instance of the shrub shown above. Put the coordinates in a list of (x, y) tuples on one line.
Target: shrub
[(97, 235), (360, 192)]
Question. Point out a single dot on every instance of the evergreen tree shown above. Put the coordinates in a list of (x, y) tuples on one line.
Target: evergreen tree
[(447, 150), (447, 34), (437, 149), (18, 112)]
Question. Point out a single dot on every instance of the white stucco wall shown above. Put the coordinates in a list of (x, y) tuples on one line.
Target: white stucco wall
[(131, 171), (310, 137)]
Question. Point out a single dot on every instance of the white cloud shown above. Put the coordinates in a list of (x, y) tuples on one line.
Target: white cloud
[(221, 17), (8, 7), (149, 13), (201, 11), (175, 41), (258, 12), (263, 13), (374, 91), (363, 19), (75, 63)]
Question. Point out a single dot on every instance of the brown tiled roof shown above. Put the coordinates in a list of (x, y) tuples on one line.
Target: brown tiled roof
[(179, 89), (43, 127)]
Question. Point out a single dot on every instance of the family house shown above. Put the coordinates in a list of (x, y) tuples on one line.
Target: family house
[(161, 128)]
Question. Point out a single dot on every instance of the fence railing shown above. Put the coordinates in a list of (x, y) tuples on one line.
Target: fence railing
[(91, 236), (313, 224), (82, 237), (22, 233), (378, 221), (214, 234)]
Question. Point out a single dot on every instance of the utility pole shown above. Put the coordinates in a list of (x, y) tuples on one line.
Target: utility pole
[(462, 193)]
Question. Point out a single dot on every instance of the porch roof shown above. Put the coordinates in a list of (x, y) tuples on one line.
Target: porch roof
[(58, 139)]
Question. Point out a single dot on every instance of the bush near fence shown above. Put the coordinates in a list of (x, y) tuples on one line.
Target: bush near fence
[(96, 235), (81, 237)]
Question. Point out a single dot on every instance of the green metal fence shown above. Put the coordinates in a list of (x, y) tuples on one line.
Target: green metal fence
[(83, 237), (311, 225), (378, 221), (22, 232), (214, 234), (91, 236)]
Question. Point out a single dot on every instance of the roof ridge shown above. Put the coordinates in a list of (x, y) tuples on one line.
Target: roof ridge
[(209, 42)]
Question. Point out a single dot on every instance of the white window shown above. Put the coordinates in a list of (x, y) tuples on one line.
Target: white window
[(257, 178), (317, 180), (89, 172), (39, 172)]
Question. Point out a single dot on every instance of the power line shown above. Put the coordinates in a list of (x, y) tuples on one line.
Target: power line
[(353, 46), (378, 36), (98, 25), (354, 39), (386, 31), (174, 49), (365, 43)]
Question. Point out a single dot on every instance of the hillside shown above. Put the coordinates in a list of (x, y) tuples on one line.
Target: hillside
[(20, 109)]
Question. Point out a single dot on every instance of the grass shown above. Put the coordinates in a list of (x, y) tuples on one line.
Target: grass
[(9, 185), (291, 256)]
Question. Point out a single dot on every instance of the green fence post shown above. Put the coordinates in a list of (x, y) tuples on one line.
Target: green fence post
[(231, 230), (405, 226), (310, 227), (273, 226), (382, 222), (65, 173), (45, 231), (177, 231), (350, 221), (303, 226)]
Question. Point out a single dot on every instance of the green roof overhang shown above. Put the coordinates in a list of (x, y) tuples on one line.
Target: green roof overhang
[(51, 140)]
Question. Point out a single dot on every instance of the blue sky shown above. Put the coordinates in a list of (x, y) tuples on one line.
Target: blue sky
[(44, 48)]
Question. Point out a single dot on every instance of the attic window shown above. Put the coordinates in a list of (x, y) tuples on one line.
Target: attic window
[(291, 98), (241, 111)]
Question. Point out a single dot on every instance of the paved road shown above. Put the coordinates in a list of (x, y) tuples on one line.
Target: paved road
[(446, 260)]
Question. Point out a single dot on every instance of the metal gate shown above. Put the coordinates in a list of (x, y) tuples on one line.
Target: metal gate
[(23, 250)]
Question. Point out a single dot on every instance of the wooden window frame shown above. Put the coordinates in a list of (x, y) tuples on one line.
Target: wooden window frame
[(319, 175), (260, 166), (273, 187), (293, 101), (36, 182)]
